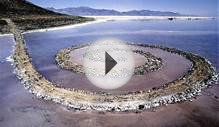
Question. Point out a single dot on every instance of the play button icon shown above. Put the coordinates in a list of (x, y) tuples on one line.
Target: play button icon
[(108, 63)]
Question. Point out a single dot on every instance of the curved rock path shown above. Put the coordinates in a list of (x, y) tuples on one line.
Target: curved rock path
[(63, 60), (199, 77)]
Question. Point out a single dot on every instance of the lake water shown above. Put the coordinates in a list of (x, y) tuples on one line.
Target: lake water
[(197, 36)]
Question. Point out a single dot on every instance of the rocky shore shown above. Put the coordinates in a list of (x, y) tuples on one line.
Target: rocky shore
[(200, 76), (3, 27), (152, 63)]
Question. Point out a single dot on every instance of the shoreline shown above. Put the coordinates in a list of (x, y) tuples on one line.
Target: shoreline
[(9, 34), (64, 27), (101, 19), (151, 17)]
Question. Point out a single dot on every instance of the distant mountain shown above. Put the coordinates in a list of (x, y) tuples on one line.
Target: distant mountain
[(87, 11)]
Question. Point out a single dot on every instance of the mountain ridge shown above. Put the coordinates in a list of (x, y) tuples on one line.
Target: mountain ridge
[(88, 11)]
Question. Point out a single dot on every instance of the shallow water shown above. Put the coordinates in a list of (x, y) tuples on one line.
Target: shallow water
[(174, 66), (197, 36)]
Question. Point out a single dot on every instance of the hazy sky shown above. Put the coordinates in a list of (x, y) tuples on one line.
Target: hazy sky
[(197, 7)]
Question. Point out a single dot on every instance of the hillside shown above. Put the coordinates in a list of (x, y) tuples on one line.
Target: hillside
[(87, 11), (22, 7), (28, 16)]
